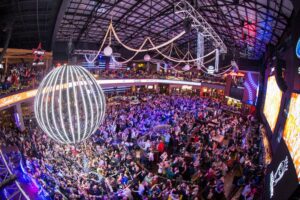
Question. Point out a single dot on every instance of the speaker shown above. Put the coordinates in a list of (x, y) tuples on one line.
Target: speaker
[(187, 24), (279, 68)]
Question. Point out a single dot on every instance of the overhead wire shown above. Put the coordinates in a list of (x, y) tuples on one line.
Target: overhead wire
[(37, 19)]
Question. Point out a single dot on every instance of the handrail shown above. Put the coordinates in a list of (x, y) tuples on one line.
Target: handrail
[(10, 172), (8, 101)]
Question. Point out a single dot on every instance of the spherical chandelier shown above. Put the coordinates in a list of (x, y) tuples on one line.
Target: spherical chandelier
[(69, 105), (108, 51)]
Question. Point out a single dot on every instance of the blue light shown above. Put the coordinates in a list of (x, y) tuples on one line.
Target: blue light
[(265, 33), (248, 87)]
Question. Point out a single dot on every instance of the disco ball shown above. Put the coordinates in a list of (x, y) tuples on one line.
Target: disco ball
[(69, 105), (147, 58), (108, 51)]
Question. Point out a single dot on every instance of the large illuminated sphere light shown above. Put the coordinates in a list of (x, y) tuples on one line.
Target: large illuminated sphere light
[(147, 58), (187, 67), (69, 105), (108, 51)]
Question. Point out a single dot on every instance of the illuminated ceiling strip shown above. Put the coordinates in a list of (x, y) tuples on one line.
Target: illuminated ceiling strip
[(128, 60), (101, 46), (156, 48), (145, 50), (111, 28), (181, 60)]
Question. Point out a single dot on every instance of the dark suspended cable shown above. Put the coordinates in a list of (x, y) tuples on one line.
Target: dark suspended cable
[(37, 19)]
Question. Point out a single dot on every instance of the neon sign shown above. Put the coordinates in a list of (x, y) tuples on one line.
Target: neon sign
[(298, 49)]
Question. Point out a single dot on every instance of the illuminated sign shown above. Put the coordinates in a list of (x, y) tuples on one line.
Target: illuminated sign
[(298, 49), (277, 176), (210, 69), (6, 101), (38, 55)]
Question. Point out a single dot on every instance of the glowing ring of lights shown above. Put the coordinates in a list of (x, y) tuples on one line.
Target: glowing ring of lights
[(69, 105)]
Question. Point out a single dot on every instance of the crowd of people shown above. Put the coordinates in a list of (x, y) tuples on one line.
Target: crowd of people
[(23, 76), (20, 76), (161, 147)]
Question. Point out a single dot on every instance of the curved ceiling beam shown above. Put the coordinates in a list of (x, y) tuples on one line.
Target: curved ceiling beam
[(63, 7)]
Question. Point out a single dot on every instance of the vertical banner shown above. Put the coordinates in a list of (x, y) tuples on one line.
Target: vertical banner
[(217, 60), (157, 67), (200, 49), (165, 67)]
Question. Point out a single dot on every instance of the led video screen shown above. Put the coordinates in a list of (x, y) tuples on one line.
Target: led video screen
[(291, 132), (272, 102)]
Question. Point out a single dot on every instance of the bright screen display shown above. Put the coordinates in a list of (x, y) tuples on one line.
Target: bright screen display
[(291, 133), (272, 102)]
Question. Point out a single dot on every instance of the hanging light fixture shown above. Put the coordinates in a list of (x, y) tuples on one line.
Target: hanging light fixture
[(147, 57), (108, 51), (69, 105), (187, 67)]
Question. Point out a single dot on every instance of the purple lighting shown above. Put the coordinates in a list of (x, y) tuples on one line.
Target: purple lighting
[(251, 85)]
